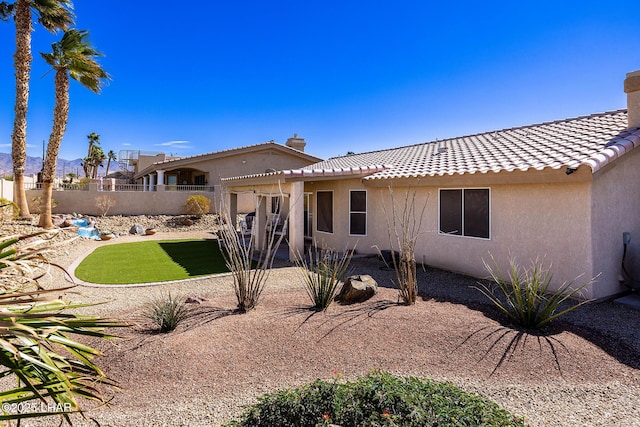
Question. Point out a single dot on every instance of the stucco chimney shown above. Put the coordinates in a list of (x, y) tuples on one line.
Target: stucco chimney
[(297, 143), (632, 89)]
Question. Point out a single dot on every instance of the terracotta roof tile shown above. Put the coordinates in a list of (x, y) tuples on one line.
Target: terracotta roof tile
[(593, 140)]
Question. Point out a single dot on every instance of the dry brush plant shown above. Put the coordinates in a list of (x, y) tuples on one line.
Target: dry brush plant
[(249, 266), (525, 295), (104, 203), (321, 271), (403, 229), (39, 347), (198, 205)]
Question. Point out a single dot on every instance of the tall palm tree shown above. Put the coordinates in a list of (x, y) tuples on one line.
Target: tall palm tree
[(94, 139), (73, 56), (52, 15), (111, 155)]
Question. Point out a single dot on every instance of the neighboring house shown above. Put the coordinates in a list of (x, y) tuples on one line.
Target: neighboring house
[(564, 190), (204, 171)]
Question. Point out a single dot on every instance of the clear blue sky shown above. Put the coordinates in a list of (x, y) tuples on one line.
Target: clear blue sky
[(202, 76)]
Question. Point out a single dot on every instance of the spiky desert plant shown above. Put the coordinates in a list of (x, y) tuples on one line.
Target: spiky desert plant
[(167, 312), (404, 222), (249, 266), (321, 271), (525, 295), (38, 340)]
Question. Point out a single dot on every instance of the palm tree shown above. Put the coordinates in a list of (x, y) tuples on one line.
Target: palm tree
[(111, 155), (98, 157), (94, 139), (73, 56), (52, 15)]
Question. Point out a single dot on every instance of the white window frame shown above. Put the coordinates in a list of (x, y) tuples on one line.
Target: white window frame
[(463, 225), (365, 212), (333, 213)]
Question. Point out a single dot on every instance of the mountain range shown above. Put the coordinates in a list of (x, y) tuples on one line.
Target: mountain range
[(34, 165)]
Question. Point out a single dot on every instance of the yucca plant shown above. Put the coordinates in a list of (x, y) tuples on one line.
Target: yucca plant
[(167, 312), (38, 344), (322, 270), (524, 294)]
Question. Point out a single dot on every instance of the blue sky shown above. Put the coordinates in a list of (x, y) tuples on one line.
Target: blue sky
[(347, 76)]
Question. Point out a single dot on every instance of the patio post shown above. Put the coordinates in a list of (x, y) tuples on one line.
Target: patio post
[(296, 220)]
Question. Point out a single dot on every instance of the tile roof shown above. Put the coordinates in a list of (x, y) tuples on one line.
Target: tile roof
[(593, 140)]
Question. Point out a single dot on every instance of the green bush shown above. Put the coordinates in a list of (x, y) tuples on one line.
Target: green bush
[(524, 294), (378, 399), (198, 205), (167, 312)]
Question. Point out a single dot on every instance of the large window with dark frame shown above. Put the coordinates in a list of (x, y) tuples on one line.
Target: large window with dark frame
[(324, 206), (358, 212), (465, 212)]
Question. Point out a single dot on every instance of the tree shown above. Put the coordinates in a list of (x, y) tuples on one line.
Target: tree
[(87, 164), (53, 15), (111, 155), (73, 56)]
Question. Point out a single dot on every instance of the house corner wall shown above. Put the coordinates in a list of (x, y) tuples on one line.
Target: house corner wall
[(615, 207)]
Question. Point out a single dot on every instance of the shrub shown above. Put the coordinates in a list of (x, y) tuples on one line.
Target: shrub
[(198, 205), (378, 399), (249, 267), (322, 274), (8, 210), (524, 295), (403, 229), (104, 203), (167, 312), (37, 204)]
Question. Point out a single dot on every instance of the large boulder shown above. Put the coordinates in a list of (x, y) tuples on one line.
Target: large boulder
[(357, 288), (137, 229)]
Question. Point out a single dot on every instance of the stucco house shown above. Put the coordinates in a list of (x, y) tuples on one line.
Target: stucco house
[(564, 190), (204, 171)]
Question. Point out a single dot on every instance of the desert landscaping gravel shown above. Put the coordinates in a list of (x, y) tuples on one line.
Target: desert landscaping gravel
[(583, 372)]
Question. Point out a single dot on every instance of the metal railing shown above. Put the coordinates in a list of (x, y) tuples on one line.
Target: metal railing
[(64, 186), (188, 188), (122, 187)]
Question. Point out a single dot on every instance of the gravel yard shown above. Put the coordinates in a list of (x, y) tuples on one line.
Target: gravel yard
[(584, 372)]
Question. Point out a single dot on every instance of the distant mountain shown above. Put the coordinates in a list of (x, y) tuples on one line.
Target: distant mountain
[(34, 165)]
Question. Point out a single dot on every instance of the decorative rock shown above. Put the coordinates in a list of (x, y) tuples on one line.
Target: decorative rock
[(357, 288), (187, 221), (150, 231), (196, 299), (136, 229)]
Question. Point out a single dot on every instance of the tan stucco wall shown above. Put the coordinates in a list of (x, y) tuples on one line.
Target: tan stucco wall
[(528, 220), (615, 209), (127, 203)]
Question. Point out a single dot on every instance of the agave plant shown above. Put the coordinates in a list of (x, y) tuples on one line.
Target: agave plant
[(525, 294), (322, 271), (39, 344)]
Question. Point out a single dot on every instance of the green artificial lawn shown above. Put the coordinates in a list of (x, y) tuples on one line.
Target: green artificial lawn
[(151, 261)]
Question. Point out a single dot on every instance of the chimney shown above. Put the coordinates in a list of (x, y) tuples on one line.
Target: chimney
[(632, 89), (299, 143)]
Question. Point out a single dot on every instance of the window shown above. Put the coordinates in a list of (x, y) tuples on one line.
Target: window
[(358, 212), (276, 204), (465, 212), (324, 204)]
